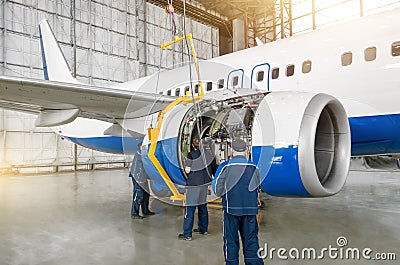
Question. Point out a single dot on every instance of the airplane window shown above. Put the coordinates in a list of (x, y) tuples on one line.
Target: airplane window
[(370, 54), (275, 73), (169, 92), (221, 83), (187, 89), (160, 93), (177, 92), (290, 70), (260, 76), (306, 68), (235, 81), (347, 58), (396, 48), (196, 89), (209, 86)]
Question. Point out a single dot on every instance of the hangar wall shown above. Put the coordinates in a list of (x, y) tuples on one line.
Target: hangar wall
[(104, 42)]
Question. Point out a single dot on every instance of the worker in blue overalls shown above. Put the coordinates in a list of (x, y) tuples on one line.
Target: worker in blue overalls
[(141, 194), (199, 169), (237, 181)]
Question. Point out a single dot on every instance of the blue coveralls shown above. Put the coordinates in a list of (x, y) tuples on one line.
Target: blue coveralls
[(196, 192), (139, 178), (237, 182)]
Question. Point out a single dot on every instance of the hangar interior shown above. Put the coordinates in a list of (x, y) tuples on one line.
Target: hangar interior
[(107, 42), (104, 42), (82, 216)]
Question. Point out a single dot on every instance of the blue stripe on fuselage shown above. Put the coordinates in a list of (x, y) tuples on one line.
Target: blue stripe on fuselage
[(373, 135), (369, 135)]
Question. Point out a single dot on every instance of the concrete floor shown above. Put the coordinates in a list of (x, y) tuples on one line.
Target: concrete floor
[(84, 218)]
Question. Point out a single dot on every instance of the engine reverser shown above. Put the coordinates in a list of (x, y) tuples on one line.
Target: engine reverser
[(299, 141)]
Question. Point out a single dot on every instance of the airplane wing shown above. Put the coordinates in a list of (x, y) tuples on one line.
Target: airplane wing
[(59, 103)]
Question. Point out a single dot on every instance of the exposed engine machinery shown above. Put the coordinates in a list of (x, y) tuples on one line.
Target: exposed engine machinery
[(299, 141), (220, 123)]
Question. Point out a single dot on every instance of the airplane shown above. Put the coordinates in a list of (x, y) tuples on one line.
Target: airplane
[(304, 105)]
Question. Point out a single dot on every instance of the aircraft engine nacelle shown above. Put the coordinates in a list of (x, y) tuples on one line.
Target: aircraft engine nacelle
[(300, 141), (312, 145)]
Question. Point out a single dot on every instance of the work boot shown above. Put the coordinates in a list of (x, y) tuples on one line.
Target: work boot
[(134, 216), (196, 230), (183, 237)]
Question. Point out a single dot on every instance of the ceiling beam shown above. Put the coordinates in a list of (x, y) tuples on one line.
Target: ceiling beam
[(196, 13)]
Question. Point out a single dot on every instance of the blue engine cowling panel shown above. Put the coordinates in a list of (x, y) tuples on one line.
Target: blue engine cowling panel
[(279, 171), (166, 154)]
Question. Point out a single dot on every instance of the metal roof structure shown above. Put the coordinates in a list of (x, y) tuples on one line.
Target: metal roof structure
[(270, 20), (259, 16)]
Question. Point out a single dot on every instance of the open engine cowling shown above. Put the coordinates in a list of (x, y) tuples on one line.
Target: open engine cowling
[(300, 141)]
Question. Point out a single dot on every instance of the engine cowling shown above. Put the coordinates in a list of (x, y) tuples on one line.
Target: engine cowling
[(300, 141), (311, 148)]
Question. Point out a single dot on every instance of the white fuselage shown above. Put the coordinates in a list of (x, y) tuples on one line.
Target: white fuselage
[(366, 88)]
